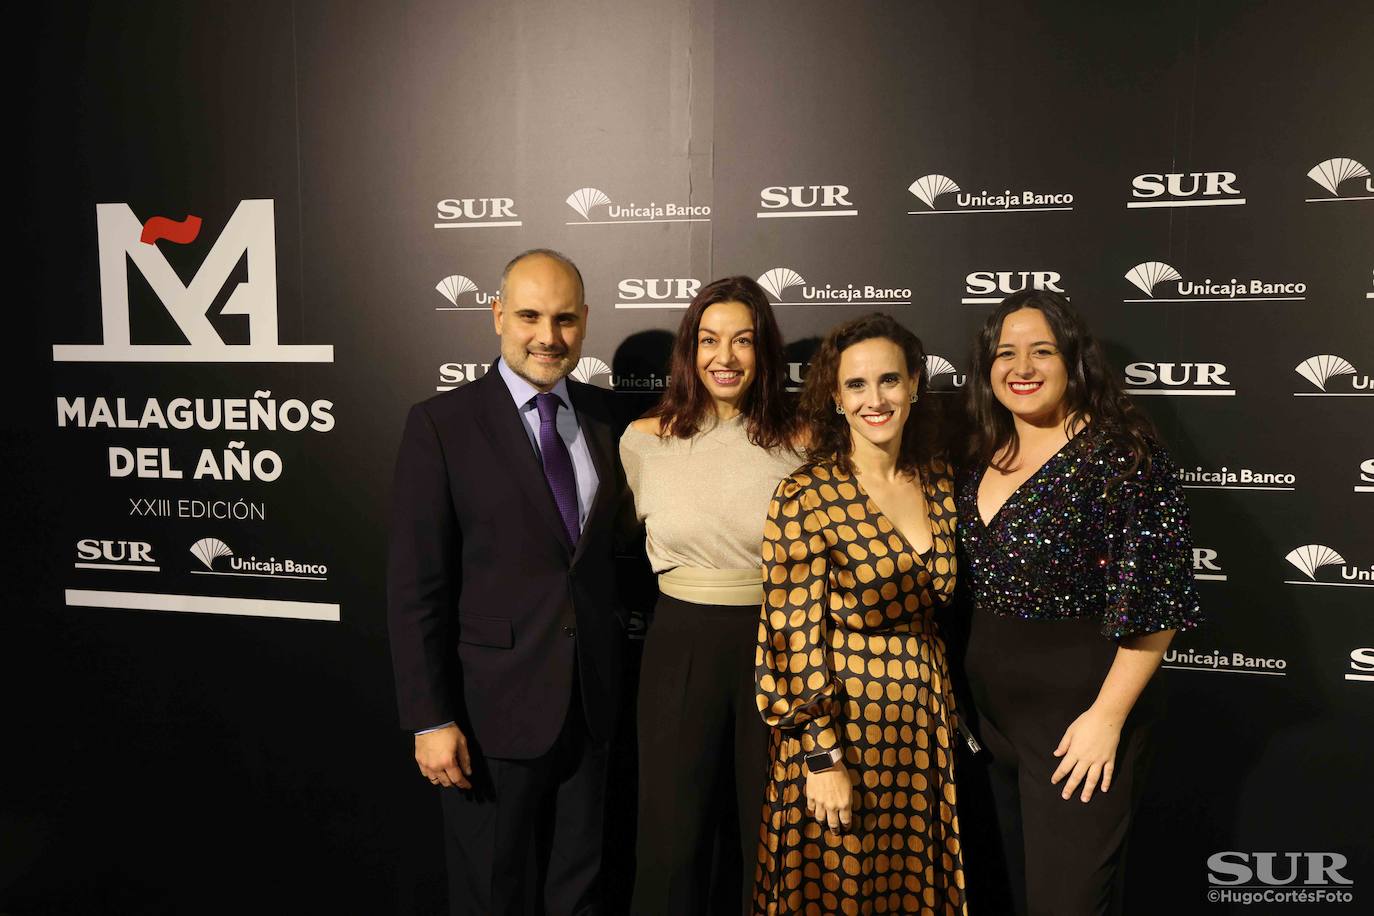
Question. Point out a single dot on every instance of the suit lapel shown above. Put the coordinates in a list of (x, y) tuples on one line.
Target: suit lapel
[(501, 422), (596, 430)]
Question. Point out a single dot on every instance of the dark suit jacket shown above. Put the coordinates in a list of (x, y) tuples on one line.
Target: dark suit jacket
[(487, 603)]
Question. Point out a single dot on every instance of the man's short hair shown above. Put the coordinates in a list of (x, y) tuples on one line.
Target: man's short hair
[(558, 256)]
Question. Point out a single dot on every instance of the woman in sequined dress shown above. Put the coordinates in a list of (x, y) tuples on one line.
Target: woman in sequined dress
[(858, 554), (1076, 547)]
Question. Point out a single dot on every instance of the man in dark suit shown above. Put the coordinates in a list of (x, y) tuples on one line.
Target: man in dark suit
[(506, 635)]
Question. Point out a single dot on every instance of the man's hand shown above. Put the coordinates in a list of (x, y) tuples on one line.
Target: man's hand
[(443, 757)]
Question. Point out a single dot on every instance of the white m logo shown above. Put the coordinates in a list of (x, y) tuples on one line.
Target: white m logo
[(250, 231)]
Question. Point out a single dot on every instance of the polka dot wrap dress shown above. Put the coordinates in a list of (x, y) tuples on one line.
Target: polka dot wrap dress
[(849, 656)]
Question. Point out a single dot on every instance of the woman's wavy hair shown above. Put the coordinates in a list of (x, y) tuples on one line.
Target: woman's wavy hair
[(829, 433), (1093, 395), (685, 404)]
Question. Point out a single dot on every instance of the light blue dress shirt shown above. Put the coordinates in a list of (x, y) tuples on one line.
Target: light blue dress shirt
[(522, 392)]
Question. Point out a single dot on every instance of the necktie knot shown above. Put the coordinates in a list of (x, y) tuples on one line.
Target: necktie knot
[(547, 403)]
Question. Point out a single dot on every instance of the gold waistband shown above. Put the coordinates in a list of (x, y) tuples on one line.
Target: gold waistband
[(713, 586)]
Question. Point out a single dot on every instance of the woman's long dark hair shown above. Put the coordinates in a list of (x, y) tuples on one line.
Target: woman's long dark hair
[(685, 405), (829, 431), (1093, 395)]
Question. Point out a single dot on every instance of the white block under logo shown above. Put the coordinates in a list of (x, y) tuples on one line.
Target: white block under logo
[(250, 232)]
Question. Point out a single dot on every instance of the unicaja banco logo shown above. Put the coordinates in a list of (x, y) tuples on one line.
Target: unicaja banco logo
[(928, 189), (1327, 369), (1311, 559), (941, 375), (208, 550), (583, 200), (589, 368), (778, 280), (456, 288), (1147, 277), (586, 202), (1333, 173), (250, 235)]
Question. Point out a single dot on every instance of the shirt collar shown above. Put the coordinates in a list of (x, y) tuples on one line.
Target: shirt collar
[(522, 392)]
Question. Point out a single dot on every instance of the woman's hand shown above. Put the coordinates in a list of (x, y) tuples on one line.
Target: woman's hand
[(1089, 751), (830, 797)]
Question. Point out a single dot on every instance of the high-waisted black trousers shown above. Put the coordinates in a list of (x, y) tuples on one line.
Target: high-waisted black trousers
[(703, 761), (1030, 680)]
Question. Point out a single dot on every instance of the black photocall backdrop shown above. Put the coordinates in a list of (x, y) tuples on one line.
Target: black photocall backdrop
[(195, 725)]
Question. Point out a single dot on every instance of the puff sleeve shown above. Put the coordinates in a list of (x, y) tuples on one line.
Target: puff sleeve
[(1150, 553), (794, 685)]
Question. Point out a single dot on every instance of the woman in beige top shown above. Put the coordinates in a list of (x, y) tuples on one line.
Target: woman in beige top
[(703, 465)]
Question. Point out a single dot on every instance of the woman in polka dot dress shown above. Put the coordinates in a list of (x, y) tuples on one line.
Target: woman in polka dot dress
[(858, 553)]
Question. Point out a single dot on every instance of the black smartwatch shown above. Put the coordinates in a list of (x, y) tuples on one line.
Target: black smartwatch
[(821, 761)]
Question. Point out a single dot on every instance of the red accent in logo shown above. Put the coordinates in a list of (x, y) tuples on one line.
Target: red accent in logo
[(179, 232)]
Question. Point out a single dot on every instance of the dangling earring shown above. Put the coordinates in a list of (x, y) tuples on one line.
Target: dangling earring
[(838, 409)]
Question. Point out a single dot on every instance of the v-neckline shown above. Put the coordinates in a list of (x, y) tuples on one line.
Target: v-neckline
[(978, 484), (910, 548)]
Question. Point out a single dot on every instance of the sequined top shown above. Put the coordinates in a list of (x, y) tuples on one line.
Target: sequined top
[(702, 500), (1065, 545)]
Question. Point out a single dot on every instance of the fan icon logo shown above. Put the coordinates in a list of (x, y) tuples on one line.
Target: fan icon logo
[(778, 282), (589, 369), (1149, 275), (1326, 369), (1333, 173), (455, 289), (1311, 559), (249, 236), (1184, 189), (208, 550), (588, 202), (941, 376), (942, 195)]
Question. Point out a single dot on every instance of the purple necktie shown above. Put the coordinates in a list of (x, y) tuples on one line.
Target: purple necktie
[(558, 466)]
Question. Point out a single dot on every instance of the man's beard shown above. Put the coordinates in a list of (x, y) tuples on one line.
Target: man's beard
[(543, 374)]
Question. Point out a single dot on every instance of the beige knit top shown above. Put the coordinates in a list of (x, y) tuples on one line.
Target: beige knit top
[(703, 500)]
